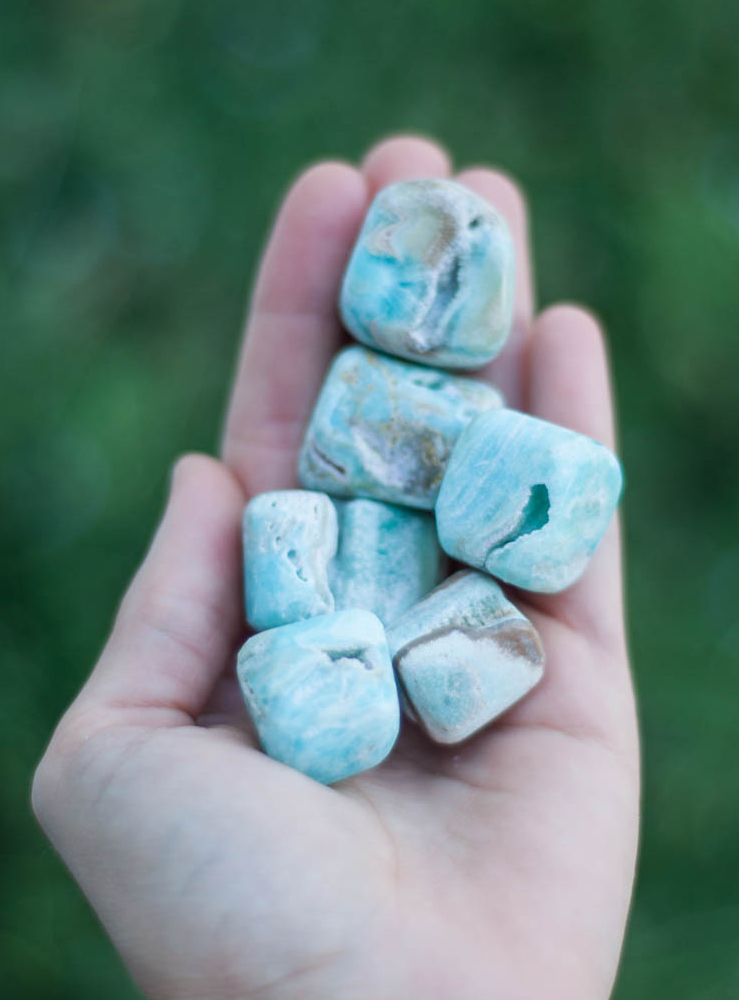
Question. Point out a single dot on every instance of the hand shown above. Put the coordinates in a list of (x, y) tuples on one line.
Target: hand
[(498, 869)]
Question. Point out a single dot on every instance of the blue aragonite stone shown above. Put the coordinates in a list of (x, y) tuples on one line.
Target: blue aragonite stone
[(464, 655), (384, 429), (322, 694), (431, 276), (526, 500), (290, 537), (388, 557)]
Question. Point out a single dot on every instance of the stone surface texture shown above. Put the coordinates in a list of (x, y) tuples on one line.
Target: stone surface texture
[(431, 276), (384, 429), (526, 500), (306, 555), (322, 694), (388, 558), (464, 655), (290, 537)]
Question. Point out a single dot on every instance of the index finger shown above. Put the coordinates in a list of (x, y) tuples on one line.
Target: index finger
[(293, 328)]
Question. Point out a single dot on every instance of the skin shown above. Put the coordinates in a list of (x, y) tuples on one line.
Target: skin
[(501, 868)]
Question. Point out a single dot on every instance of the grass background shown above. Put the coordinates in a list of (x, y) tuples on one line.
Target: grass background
[(145, 147)]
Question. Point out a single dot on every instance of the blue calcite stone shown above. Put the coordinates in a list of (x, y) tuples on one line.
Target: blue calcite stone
[(384, 429), (463, 656), (526, 500), (321, 693), (290, 537), (388, 557), (431, 276), (306, 555)]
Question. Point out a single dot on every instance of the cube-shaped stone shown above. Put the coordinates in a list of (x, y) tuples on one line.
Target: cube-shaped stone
[(322, 694), (384, 429), (431, 276), (290, 537), (526, 500), (463, 655), (388, 557)]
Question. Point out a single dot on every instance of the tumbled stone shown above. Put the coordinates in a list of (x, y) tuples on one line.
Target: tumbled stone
[(431, 276), (321, 693), (388, 557), (526, 500), (463, 655), (290, 537), (384, 429)]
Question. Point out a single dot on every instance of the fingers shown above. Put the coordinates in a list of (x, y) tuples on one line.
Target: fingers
[(181, 619), (404, 158), (506, 371), (293, 328), (568, 380), (568, 384)]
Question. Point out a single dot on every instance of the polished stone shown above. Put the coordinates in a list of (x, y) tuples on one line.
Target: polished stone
[(526, 500), (322, 694), (290, 537), (384, 429), (463, 656), (388, 557), (431, 277), (306, 555)]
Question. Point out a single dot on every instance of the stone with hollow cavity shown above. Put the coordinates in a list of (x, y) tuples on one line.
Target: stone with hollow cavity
[(464, 655), (431, 276), (384, 429), (526, 500), (322, 694)]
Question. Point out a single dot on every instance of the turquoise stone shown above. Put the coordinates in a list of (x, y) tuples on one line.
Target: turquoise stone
[(526, 500), (290, 537), (431, 276), (306, 555), (463, 656), (388, 557), (322, 694), (384, 429)]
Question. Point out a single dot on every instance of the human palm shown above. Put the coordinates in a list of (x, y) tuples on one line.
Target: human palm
[(498, 869)]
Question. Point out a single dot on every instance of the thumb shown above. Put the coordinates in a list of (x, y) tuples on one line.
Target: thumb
[(180, 621)]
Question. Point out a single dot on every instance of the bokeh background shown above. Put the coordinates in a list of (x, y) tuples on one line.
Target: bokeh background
[(144, 147)]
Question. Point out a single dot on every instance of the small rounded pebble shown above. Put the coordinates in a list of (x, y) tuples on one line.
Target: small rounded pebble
[(526, 500), (464, 655), (384, 429), (290, 537), (388, 557), (322, 694), (431, 276)]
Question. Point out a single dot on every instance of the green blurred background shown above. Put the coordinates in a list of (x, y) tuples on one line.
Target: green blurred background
[(144, 147)]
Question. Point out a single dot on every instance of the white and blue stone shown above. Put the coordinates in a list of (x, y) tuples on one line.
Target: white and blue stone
[(384, 429), (431, 277), (526, 500), (463, 656), (322, 694), (388, 558), (306, 555), (290, 538)]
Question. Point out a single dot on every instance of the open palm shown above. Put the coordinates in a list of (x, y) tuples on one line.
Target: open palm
[(499, 869)]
